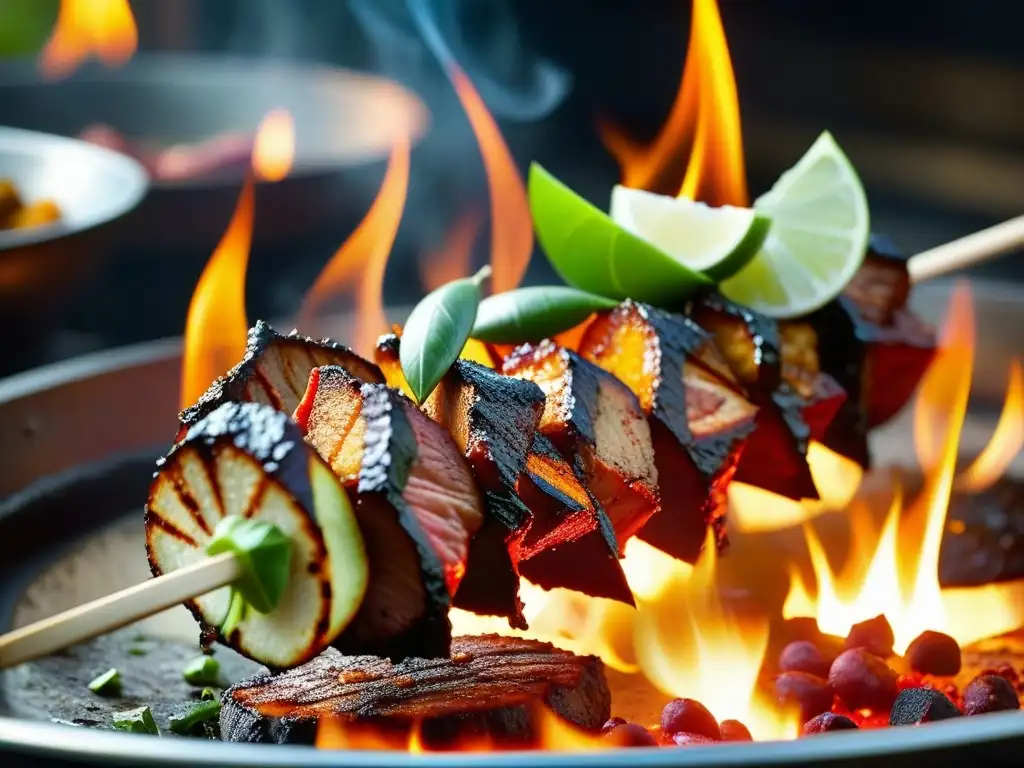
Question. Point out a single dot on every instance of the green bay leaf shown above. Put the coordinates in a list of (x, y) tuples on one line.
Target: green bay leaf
[(534, 313), (437, 330)]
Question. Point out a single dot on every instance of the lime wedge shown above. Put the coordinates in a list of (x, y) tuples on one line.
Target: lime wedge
[(716, 241), (591, 252), (818, 238)]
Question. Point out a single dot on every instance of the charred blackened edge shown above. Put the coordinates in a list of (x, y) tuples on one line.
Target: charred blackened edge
[(389, 453), (231, 386), (841, 354), (271, 439)]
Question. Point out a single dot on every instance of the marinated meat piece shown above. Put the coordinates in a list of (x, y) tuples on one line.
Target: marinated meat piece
[(488, 688), (881, 286), (417, 506), (775, 457), (699, 422), (275, 370), (598, 425), (248, 460), (570, 542), (492, 419), (821, 394)]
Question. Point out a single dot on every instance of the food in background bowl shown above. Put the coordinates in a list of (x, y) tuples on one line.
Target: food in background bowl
[(177, 162), (15, 213)]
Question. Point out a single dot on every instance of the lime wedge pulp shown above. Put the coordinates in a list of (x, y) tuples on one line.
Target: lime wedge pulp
[(716, 241), (817, 241), (591, 252)]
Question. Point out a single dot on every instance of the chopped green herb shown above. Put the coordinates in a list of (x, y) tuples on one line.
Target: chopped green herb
[(107, 684), (208, 694), (137, 651), (139, 720), (191, 719), (202, 671)]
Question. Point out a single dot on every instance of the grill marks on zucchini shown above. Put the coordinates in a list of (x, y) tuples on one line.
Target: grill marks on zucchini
[(417, 505), (249, 460)]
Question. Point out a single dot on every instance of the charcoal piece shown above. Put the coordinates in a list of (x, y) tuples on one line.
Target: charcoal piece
[(989, 693), (915, 706), (933, 653), (874, 635), (984, 538), (487, 688), (827, 722)]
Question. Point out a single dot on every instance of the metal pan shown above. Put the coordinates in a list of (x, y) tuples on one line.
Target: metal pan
[(343, 120), (78, 439)]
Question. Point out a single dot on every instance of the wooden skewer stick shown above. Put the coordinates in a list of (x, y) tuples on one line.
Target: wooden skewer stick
[(967, 251), (117, 610)]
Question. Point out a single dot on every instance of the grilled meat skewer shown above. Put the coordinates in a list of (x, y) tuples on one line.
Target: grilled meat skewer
[(488, 689), (417, 505)]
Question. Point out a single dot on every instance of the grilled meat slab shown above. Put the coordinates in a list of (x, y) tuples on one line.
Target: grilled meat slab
[(598, 425), (486, 689), (249, 460), (775, 457), (699, 420), (274, 371), (416, 503)]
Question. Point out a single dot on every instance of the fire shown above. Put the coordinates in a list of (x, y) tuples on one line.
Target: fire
[(706, 112), (216, 325), (358, 266), (104, 28), (452, 260), (273, 150), (899, 577), (1007, 440), (682, 636), (511, 224)]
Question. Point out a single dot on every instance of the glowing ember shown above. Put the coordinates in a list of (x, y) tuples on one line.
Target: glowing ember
[(899, 578), (358, 266), (104, 28), (273, 150), (706, 111), (511, 225)]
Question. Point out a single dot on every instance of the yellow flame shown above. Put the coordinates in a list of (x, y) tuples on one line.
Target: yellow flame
[(1007, 439), (104, 28), (273, 150)]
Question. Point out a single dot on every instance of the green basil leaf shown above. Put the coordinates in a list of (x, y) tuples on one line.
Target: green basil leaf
[(265, 553), (437, 330), (591, 252), (531, 314)]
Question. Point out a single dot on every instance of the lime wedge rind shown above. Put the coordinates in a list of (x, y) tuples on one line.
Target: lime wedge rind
[(817, 241)]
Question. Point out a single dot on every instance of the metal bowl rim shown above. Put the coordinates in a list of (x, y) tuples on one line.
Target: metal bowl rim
[(128, 170)]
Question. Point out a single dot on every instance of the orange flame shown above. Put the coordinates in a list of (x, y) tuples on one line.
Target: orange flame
[(216, 324), (105, 28), (899, 579), (452, 260), (360, 263), (1006, 442), (511, 224), (273, 150), (706, 111)]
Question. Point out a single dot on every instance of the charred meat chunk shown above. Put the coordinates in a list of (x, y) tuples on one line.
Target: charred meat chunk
[(249, 460), (820, 393), (775, 457), (492, 419), (699, 421), (416, 502), (488, 688), (597, 424), (274, 371)]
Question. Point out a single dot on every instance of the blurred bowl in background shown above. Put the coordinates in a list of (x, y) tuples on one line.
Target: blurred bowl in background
[(94, 188)]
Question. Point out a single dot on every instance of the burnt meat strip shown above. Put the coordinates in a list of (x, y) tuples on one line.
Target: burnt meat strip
[(775, 457), (493, 419), (699, 419), (598, 425), (416, 503), (274, 372), (488, 688)]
